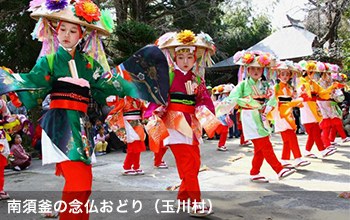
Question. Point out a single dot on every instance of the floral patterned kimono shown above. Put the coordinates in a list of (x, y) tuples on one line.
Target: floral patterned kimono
[(62, 138)]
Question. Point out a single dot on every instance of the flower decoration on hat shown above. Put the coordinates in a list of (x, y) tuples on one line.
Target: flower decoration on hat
[(87, 10), (165, 38), (334, 68), (34, 4), (311, 66), (343, 76), (247, 58), (107, 20), (238, 55), (206, 37), (186, 37), (56, 5), (321, 67), (264, 59), (302, 64)]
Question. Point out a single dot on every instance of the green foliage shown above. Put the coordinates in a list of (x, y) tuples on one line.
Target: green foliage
[(131, 36), (17, 50), (241, 30)]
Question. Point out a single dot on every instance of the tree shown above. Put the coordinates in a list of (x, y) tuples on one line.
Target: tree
[(326, 18), (131, 36), (17, 49)]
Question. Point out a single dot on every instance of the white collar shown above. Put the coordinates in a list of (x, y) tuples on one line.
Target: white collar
[(177, 68)]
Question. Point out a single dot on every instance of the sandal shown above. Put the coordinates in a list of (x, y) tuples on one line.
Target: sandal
[(285, 172), (303, 163), (311, 155), (200, 211), (4, 195), (288, 165), (328, 152), (222, 148), (259, 179), (50, 214)]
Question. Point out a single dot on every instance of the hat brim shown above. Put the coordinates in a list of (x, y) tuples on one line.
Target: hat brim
[(67, 15), (200, 45)]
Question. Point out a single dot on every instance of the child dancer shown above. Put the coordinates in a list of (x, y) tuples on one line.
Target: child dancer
[(310, 117), (250, 95), (188, 94), (125, 120), (284, 101)]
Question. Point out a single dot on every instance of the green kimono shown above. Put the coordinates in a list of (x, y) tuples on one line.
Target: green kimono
[(62, 136)]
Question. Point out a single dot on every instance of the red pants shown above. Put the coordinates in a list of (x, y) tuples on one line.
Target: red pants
[(241, 138), (326, 125), (158, 157), (263, 150), (188, 162), (337, 126), (314, 135), (132, 159), (290, 143), (78, 177), (223, 136), (3, 163), (2, 178)]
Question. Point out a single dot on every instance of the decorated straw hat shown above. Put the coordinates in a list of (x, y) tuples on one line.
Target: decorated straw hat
[(254, 58), (82, 12), (287, 65), (201, 43), (309, 65)]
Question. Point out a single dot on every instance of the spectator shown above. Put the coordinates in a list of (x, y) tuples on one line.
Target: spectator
[(346, 120), (22, 158), (100, 142)]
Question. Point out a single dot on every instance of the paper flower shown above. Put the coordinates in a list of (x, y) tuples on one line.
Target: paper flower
[(56, 5), (107, 20), (238, 55), (302, 64), (334, 68), (205, 37), (247, 58), (87, 10), (186, 37), (335, 77), (34, 4), (165, 38), (264, 59), (321, 67), (311, 66)]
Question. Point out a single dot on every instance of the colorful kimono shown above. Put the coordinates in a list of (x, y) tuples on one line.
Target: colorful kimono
[(310, 114), (284, 104), (180, 116), (284, 119), (251, 96), (63, 124)]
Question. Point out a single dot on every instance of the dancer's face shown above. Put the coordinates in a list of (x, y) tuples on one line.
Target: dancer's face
[(185, 60), (68, 34), (255, 72), (284, 75)]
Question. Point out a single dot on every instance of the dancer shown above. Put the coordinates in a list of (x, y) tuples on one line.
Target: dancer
[(125, 120), (188, 95), (251, 95), (310, 117), (283, 102), (71, 76)]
